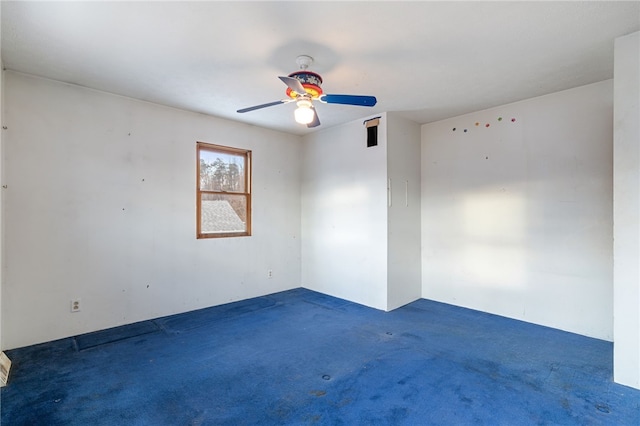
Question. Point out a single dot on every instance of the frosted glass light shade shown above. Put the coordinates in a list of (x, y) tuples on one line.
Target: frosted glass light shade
[(304, 113)]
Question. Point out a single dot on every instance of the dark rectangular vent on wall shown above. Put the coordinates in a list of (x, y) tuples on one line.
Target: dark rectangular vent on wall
[(372, 131)]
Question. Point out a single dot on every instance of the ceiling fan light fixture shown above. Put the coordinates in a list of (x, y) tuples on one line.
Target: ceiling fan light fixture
[(304, 87), (304, 113)]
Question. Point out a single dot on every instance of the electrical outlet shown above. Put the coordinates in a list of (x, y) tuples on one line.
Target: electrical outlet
[(269, 274), (75, 305)]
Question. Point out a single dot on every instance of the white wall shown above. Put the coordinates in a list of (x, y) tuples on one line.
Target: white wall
[(1, 180), (100, 205), (344, 214), (403, 253), (626, 212), (516, 217)]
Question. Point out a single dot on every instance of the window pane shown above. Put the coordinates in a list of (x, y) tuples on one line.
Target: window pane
[(222, 213), (221, 171)]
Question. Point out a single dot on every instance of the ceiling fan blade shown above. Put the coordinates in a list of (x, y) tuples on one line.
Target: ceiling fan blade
[(253, 108), (316, 120), (294, 84), (358, 100)]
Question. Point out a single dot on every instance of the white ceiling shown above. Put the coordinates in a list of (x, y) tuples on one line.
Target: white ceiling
[(427, 60)]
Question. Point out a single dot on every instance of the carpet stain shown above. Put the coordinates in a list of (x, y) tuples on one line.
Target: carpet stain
[(313, 419), (466, 400), (397, 415), (344, 402), (412, 336)]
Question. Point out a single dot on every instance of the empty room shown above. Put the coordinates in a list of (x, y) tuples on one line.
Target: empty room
[(332, 213)]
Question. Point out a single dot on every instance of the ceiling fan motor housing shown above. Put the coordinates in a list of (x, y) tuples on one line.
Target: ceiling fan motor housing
[(311, 82)]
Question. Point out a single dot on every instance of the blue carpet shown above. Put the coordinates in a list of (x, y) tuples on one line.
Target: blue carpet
[(115, 334), (299, 357), (208, 317)]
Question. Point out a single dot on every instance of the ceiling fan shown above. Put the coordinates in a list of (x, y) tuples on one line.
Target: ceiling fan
[(304, 87)]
